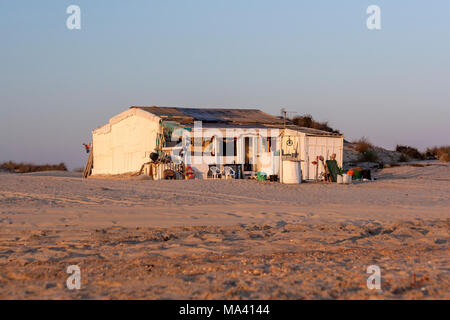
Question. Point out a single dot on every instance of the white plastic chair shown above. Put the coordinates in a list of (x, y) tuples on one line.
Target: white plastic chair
[(214, 172), (229, 172)]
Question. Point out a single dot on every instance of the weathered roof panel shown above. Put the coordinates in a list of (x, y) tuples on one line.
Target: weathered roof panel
[(221, 117), (205, 115), (167, 113), (237, 116)]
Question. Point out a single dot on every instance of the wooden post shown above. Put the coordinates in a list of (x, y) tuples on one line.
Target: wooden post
[(90, 164)]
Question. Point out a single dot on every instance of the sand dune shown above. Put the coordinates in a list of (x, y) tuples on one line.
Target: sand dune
[(225, 239)]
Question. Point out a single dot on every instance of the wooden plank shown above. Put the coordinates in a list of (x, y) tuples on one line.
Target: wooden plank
[(89, 165)]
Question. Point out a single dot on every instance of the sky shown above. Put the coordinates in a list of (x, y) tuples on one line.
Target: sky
[(309, 57)]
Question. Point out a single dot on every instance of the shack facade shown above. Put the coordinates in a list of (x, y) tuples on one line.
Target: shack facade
[(247, 139)]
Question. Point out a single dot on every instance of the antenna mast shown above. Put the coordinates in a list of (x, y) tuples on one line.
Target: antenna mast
[(284, 115)]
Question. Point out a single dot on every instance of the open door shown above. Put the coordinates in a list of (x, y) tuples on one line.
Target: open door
[(248, 151)]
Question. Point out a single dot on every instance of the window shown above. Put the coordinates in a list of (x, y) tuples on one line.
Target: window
[(208, 146), (229, 147), (202, 146), (267, 145)]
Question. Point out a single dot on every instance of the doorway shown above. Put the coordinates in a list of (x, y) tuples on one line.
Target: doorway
[(248, 149)]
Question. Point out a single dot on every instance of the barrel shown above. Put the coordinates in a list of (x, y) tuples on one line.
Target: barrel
[(292, 172)]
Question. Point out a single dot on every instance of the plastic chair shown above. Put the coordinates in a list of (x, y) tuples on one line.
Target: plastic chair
[(214, 172), (229, 172)]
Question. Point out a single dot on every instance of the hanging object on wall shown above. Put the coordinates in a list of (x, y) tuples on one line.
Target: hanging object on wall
[(87, 147), (189, 173), (316, 175), (290, 146), (289, 142)]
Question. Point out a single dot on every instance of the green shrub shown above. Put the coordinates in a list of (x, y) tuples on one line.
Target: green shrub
[(410, 152), (308, 121), (403, 158), (368, 156)]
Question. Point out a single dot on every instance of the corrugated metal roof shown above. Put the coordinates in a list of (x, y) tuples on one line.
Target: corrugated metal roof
[(222, 117), (237, 116), (167, 113)]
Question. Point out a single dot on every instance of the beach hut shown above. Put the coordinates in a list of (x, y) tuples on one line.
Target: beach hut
[(247, 140)]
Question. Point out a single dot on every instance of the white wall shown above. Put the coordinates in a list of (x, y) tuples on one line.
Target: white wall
[(123, 145), (320, 146), (309, 147)]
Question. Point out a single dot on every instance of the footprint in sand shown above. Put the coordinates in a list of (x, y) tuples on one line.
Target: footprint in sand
[(233, 215), (281, 224)]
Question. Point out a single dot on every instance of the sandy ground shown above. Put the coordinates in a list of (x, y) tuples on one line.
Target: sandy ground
[(227, 239)]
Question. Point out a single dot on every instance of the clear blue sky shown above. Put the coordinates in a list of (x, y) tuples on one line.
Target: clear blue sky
[(316, 57)]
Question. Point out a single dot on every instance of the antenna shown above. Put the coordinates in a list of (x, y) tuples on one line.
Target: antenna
[(284, 114)]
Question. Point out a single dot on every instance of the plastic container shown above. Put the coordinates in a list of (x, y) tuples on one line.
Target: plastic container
[(261, 176), (339, 179), (292, 172), (346, 179)]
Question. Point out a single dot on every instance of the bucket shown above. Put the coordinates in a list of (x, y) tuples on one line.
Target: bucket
[(339, 179), (346, 179), (261, 176), (292, 172)]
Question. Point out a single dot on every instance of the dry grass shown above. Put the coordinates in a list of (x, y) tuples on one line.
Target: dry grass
[(363, 145), (442, 153), (445, 157), (29, 167)]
